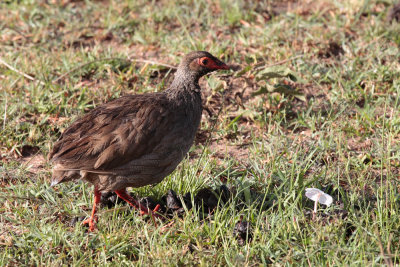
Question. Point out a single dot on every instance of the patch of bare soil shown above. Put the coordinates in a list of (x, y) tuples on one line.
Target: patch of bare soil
[(303, 8), (30, 157), (34, 163), (359, 144), (8, 232), (332, 49), (394, 13), (232, 102)]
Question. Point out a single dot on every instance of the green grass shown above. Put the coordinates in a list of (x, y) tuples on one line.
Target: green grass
[(269, 147)]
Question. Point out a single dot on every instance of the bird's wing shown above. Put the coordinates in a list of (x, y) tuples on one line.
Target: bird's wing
[(113, 134)]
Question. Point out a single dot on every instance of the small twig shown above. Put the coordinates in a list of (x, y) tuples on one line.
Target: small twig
[(15, 30), (153, 63), (186, 31), (5, 114), (388, 244), (6, 196), (81, 66), (19, 72), (261, 66), (109, 59), (386, 258)]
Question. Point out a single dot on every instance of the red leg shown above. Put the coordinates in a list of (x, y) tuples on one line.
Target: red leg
[(134, 203), (93, 218)]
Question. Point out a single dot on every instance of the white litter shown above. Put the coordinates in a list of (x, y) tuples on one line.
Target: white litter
[(319, 196)]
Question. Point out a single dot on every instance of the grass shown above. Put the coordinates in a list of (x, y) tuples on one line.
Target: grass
[(337, 128)]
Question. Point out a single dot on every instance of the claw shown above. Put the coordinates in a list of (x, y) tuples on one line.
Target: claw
[(156, 208), (143, 210), (92, 220)]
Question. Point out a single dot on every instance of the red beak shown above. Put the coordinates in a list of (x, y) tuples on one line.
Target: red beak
[(219, 65), (222, 66), (225, 67)]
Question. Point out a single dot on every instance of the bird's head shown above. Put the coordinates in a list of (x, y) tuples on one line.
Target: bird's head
[(199, 63)]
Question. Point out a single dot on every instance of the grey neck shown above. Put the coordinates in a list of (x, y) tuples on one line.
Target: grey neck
[(184, 83)]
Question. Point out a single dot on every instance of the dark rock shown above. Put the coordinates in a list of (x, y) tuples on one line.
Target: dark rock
[(188, 200), (173, 203), (110, 199), (224, 193), (243, 232), (206, 199)]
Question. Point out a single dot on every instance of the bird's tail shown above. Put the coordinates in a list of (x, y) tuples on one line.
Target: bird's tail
[(61, 175)]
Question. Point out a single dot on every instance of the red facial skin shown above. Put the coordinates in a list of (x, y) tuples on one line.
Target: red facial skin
[(212, 64)]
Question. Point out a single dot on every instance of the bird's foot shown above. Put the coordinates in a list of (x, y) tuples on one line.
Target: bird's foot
[(154, 213), (91, 222), (143, 210)]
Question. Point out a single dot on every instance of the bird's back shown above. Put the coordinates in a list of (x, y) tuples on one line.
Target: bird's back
[(137, 139)]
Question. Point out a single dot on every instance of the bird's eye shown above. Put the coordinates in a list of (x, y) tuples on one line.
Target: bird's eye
[(204, 61)]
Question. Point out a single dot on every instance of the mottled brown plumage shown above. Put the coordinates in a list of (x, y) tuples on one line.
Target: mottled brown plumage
[(135, 140)]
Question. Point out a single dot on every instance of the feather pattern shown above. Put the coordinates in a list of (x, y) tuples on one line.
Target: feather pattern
[(134, 140)]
